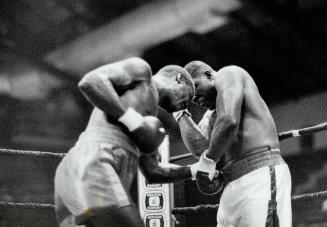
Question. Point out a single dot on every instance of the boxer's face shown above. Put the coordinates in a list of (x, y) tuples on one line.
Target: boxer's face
[(204, 95), (178, 98)]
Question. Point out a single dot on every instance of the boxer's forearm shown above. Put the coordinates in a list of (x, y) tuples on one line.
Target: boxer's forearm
[(230, 94), (222, 138), (169, 175), (156, 173), (192, 136)]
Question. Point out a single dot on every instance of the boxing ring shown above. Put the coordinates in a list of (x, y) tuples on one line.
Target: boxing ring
[(49, 162)]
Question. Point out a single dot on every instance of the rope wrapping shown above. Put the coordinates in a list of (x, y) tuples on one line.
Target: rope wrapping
[(296, 200), (303, 131)]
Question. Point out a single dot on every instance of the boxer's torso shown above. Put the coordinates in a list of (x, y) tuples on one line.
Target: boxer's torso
[(141, 96), (256, 128)]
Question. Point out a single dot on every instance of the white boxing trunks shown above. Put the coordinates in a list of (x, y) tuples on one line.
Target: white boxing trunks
[(251, 199), (95, 176)]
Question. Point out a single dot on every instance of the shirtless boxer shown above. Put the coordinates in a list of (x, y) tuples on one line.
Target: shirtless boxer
[(239, 133), (93, 180)]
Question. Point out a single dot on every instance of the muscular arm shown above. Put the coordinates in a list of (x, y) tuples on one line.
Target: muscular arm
[(192, 135), (101, 86), (154, 173), (230, 93)]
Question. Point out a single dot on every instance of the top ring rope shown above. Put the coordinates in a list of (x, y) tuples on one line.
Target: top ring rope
[(302, 131), (214, 207), (31, 153), (281, 136)]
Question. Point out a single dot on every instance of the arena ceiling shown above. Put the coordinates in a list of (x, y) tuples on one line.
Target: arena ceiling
[(282, 43)]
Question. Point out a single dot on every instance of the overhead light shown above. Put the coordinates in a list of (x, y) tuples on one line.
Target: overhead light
[(210, 23)]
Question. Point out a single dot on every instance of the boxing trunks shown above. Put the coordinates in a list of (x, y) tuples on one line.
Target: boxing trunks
[(257, 192), (95, 175)]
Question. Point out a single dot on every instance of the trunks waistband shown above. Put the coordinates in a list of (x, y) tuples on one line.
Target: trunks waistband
[(257, 158), (113, 135)]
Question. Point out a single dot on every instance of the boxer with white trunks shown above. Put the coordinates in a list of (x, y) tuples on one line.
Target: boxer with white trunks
[(238, 137)]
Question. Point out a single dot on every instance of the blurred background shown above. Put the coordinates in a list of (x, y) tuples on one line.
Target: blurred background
[(47, 46)]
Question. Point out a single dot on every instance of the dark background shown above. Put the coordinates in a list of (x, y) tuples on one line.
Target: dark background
[(47, 46)]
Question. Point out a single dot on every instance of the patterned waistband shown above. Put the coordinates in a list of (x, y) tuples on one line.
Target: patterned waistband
[(257, 158), (111, 134)]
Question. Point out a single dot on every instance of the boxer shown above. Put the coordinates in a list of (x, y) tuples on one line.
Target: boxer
[(238, 136), (93, 180)]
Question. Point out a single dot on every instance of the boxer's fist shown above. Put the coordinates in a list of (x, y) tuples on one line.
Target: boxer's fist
[(209, 186), (208, 179), (146, 132), (205, 165), (178, 114), (149, 134)]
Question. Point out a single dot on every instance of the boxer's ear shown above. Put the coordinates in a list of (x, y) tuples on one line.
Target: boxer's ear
[(208, 75), (179, 78)]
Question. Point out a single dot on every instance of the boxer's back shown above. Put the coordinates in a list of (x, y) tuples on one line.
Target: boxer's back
[(134, 88), (146, 104), (257, 127)]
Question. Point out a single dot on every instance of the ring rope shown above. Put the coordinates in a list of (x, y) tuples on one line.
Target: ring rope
[(204, 208), (31, 153), (281, 136), (316, 196), (15, 205), (302, 131), (179, 210)]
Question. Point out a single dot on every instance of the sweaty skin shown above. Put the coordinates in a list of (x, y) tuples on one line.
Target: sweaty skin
[(120, 85), (115, 87), (242, 121)]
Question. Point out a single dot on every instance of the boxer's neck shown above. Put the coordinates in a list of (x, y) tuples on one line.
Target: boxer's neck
[(162, 85)]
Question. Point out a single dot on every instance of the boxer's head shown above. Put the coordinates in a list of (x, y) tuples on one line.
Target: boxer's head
[(175, 87), (202, 75)]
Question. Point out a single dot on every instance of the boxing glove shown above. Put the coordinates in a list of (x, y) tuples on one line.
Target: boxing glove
[(205, 165), (149, 135), (208, 180), (146, 132)]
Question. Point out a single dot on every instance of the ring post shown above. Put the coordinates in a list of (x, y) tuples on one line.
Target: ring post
[(156, 200)]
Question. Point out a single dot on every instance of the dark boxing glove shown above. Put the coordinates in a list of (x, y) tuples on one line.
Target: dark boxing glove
[(146, 132), (208, 180)]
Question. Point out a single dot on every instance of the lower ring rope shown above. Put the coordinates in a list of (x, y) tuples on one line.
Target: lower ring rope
[(31, 153), (14, 205), (316, 196), (208, 207)]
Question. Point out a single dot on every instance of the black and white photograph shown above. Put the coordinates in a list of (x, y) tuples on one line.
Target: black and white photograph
[(163, 113)]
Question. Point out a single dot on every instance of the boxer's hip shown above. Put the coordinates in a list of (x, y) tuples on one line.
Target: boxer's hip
[(111, 134), (98, 147), (247, 200), (252, 161), (96, 174)]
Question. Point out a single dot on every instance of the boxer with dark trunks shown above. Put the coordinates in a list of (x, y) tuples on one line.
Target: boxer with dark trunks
[(93, 180), (239, 133)]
